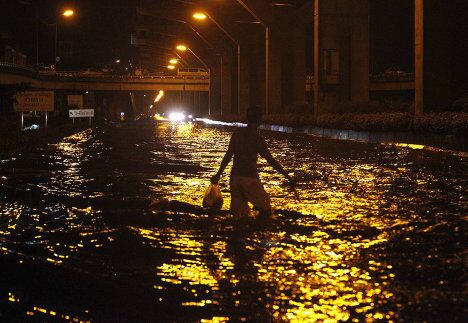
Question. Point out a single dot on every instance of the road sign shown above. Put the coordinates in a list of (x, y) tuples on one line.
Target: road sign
[(75, 101), (81, 113), (34, 101)]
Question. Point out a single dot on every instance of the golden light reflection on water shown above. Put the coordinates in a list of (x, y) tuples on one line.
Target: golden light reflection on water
[(326, 285), (311, 277), (69, 156), (47, 313), (310, 265)]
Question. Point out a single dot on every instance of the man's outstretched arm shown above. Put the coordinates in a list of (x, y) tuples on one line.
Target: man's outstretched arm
[(265, 153), (226, 159)]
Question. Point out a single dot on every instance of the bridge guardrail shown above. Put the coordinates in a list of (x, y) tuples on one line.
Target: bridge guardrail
[(83, 76), (15, 66), (383, 78), (400, 77), (74, 75), (80, 75)]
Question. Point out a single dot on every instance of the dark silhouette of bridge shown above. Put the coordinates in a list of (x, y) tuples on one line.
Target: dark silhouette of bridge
[(78, 80)]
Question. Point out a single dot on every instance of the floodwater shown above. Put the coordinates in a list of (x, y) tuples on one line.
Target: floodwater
[(378, 234)]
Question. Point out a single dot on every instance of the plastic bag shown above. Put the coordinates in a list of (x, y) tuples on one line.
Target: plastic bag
[(212, 198)]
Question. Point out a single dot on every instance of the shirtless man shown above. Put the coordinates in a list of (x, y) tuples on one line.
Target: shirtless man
[(245, 145)]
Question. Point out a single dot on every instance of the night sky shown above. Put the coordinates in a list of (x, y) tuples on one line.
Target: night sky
[(391, 35), (100, 31)]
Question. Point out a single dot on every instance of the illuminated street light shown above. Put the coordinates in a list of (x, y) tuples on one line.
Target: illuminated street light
[(68, 13), (117, 61), (171, 67), (203, 16), (199, 16), (173, 61), (159, 96), (181, 48)]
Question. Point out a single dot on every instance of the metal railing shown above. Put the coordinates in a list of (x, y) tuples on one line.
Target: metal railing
[(95, 76), (78, 74), (98, 76), (15, 66), (383, 78), (392, 77)]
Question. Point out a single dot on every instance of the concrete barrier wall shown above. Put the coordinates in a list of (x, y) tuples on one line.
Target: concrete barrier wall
[(424, 140)]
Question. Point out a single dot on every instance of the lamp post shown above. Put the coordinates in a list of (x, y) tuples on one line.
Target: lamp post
[(183, 48), (202, 38), (252, 13), (203, 16), (66, 13)]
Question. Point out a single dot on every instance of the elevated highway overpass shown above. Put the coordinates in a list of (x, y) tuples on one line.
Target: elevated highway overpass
[(10, 75), (74, 80)]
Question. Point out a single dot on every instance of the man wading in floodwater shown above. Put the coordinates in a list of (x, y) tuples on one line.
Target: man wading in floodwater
[(245, 145)]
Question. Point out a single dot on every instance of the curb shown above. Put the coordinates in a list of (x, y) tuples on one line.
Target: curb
[(430, 142)]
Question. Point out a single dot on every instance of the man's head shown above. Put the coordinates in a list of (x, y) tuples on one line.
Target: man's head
[(254, 114)]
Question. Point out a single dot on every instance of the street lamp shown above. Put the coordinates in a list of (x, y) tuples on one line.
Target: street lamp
[(203, 16), (199, 15), (173, 61), (66, 13), (183, 48)]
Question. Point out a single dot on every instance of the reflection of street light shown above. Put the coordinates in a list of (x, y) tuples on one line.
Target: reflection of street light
[(203, 16), (66, 13)]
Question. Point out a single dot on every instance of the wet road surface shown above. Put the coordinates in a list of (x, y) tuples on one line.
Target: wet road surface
[(378, 234)]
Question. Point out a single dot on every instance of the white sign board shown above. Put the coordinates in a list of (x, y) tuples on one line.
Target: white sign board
[(34, 101), (81, 113), (75, 101)]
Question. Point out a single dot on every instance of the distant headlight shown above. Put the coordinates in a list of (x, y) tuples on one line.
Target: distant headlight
[(176, 116)]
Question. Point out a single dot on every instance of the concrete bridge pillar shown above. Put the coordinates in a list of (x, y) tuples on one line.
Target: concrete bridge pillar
[(294, 59), (213, 94), (440, 50), (341, 52), (252, 67), (286, 63), (228, 85), (275, 70)]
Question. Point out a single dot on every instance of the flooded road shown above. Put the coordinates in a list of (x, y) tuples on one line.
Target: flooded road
[(379, 233)]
